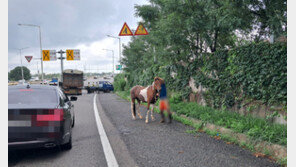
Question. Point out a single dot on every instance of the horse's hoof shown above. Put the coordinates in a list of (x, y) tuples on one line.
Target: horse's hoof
[(162, 121), (134, 118), (152, 119), (140, 117), (146, 121)]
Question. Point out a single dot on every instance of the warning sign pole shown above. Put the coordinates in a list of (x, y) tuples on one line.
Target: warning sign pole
[(62, 64)]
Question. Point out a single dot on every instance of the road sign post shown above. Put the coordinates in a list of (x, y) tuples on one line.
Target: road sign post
[(62, 64)]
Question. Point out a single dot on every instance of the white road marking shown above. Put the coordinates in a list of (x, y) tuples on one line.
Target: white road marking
[(109, 155)]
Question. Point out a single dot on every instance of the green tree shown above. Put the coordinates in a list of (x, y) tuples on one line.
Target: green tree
[(16, 74)]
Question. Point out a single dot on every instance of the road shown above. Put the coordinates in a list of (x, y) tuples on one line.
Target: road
[(135, 143)]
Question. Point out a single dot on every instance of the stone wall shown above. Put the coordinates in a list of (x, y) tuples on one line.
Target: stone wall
[(255, 109)]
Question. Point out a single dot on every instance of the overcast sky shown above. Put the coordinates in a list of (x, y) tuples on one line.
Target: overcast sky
[(69, 24)]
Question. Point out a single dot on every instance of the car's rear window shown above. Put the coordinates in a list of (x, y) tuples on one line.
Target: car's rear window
[(32, 96)]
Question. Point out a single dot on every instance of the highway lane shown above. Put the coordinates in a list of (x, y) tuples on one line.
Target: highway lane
[(87, 149)]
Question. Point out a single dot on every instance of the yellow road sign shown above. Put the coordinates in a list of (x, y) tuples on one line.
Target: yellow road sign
[(70, 54), (45, 55), (125, 30), (141, 30)]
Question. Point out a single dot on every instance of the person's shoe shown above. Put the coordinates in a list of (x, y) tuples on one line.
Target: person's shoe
[(170, 118), (162, 118)]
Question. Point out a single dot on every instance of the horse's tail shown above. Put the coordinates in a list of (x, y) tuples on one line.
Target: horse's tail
[(133, 107)]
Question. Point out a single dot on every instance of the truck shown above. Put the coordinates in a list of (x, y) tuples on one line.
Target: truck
[(72, 82), (105, 86)]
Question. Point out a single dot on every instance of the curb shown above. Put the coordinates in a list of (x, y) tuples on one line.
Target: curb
[(276, 151)]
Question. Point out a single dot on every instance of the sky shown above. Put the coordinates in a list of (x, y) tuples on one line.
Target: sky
[(69, 24)]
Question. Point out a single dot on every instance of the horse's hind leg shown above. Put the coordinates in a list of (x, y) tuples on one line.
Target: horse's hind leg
[(138, 110), (133, 109)]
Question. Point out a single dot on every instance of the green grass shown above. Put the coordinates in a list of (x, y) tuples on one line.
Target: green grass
[(253, 127)]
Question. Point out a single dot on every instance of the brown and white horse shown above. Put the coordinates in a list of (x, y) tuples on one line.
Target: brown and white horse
[(145, 94)]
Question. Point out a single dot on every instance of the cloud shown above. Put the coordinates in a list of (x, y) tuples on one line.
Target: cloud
[(65, 24)]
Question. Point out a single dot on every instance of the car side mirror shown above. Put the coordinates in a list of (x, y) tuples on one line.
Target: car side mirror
[(73, 98)]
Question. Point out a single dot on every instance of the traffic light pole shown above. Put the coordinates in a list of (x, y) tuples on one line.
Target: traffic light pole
[(62, 64)]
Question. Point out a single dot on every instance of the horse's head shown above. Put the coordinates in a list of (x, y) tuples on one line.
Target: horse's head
[(157, 83)]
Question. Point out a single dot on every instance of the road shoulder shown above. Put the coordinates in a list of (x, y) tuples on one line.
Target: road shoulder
[(119, 148)]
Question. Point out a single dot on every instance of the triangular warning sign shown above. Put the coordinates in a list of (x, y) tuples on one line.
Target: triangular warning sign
[(29, 58), (141, 30), (125, 30)]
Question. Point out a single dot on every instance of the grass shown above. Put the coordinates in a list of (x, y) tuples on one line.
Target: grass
[(253, 127)]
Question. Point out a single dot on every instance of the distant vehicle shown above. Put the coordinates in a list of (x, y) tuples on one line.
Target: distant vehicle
[(54, 81), (45, 82), (39, 116), (105, 86), (91, 87), (72, 82)]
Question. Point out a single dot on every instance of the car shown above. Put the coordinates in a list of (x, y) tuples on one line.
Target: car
[(105, 86), (39, 116), (54, 81)]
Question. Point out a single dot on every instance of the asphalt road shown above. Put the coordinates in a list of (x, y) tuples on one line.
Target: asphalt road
[(135, 143)]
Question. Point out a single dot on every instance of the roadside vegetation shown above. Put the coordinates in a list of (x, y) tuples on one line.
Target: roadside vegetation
[(212, 45)]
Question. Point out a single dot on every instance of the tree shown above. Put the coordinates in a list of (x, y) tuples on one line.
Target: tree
[(16, 74)]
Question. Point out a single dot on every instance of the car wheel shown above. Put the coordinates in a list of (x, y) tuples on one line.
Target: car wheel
[(68, 146)]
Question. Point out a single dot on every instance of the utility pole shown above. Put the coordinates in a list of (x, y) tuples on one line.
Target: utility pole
[(22, 62), (62, 64), (32, 25)]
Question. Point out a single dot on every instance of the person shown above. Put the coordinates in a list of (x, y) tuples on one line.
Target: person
[(163, 103)]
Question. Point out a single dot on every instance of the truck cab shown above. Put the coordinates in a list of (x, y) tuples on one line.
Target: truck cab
[(105, 86)]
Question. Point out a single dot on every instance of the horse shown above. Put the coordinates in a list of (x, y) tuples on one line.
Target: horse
[(147, 94)]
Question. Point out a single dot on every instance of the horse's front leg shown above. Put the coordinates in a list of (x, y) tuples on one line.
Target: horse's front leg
[(147, 114), (152, 112)]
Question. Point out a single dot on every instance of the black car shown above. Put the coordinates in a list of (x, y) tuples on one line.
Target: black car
[(39, 116)]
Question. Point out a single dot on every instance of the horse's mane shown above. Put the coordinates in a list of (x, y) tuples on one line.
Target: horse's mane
[(159, 79)]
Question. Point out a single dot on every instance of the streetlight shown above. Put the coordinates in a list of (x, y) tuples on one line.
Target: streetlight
[(22, 62), (119, 46), (113, 60), (32, 25)]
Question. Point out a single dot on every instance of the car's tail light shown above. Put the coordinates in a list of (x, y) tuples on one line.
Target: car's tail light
[(50, 117), (55, 115)]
